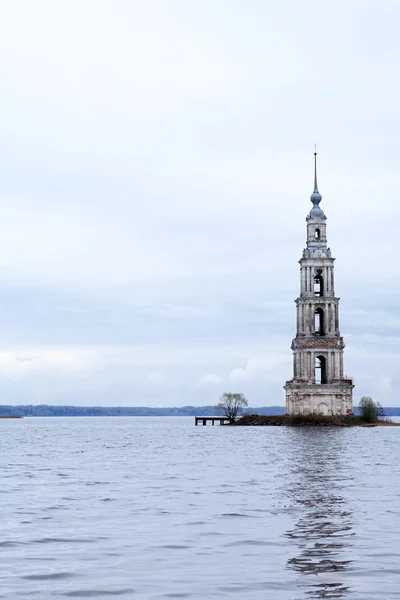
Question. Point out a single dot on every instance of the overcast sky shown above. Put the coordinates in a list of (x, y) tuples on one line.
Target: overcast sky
[(156, 164)]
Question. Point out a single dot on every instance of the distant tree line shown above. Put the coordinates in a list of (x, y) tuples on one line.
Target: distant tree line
[(47, 410)]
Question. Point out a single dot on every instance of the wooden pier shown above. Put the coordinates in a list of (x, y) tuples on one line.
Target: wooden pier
[(203, 420), (11, 417)]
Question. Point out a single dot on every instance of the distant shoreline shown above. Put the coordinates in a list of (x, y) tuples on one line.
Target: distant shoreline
[(48, 410)]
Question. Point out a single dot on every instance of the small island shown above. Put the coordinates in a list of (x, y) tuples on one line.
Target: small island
[(309, 420), (232, 406)]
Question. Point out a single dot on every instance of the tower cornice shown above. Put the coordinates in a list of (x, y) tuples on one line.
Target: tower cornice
[(313, 261), (317, 300), (312, 343)]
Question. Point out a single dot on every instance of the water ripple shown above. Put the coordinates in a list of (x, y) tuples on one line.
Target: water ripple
[(45, 576), (98, 593)]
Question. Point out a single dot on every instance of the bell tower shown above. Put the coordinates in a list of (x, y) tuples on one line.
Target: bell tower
[(318, 384)]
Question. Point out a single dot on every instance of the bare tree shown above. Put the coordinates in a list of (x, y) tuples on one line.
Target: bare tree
[(230, 405)]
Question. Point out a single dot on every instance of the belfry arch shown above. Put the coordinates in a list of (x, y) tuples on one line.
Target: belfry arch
[(319, 321), (320, 377), (318, 285)]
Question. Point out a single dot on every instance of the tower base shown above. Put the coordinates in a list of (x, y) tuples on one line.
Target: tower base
[(334, 398)]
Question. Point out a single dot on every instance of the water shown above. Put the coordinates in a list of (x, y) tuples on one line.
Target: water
[(157, 508)]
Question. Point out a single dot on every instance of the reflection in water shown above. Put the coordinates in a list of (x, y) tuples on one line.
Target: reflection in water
[(319, 477)]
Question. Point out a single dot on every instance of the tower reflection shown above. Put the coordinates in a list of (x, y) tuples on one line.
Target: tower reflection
[(318, 479)]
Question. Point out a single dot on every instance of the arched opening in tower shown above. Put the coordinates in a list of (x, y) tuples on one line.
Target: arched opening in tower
[(319, 322), (317, 234), (320, 370), (318, 286)]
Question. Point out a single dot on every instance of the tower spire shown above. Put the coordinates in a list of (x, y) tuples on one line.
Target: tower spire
[(316, 196), (315, 170)]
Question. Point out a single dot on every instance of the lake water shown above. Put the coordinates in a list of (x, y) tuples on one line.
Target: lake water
[(157, 508)]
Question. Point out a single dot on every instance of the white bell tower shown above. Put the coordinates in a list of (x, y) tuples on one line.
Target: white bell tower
[(318, 384)]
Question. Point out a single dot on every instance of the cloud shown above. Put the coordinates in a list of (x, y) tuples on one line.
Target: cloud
[(211, 380), (156, 378), (385, 381), (258, 368), (24, 361)]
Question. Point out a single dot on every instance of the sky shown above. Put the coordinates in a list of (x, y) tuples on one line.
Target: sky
[(156, 164)]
